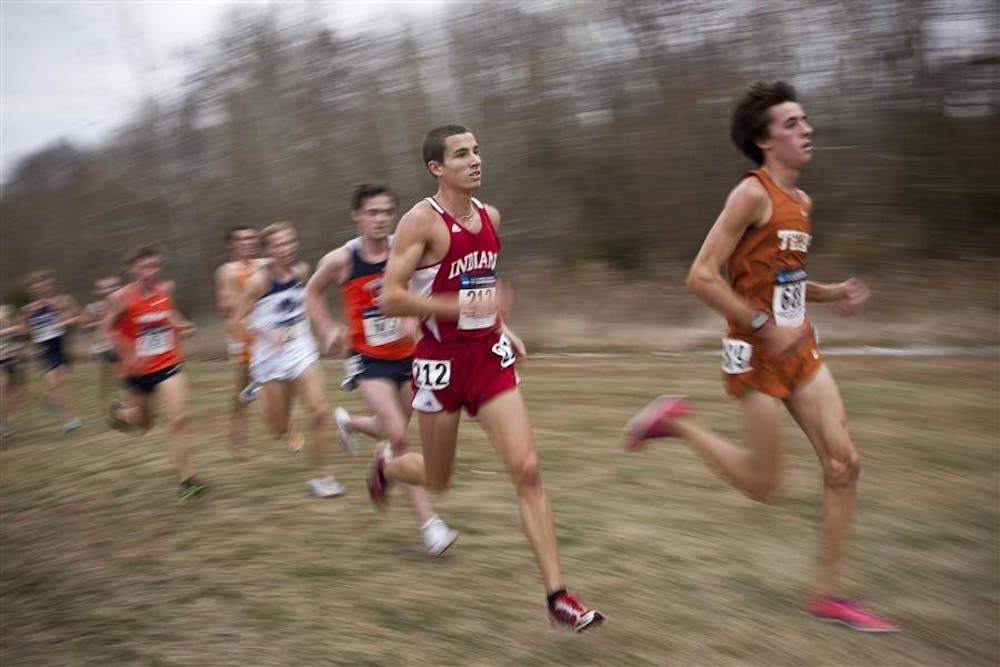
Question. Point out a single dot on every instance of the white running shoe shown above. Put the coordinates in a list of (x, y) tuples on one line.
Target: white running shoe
[(325, 487), (249, 393), (72, 425), (345, 433), (438, 536)]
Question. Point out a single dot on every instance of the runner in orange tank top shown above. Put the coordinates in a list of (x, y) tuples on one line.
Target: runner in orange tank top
[(145, 325), (380, 348), (230, 280), (770, 357)]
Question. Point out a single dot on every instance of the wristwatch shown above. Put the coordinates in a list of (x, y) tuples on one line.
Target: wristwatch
[(759, 321)]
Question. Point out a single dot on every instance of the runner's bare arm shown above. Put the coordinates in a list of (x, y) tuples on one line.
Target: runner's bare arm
[(70, 311), (412, 245), (252, 291), (116, 308), (847, 297), (747, 206), (329, 271)]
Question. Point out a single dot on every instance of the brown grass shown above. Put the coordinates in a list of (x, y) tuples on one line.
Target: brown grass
[(101, 566)]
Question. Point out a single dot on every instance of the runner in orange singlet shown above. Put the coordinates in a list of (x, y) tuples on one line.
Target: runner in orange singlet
[(770, 357), (230, 280), (381, 348), (145, 325)]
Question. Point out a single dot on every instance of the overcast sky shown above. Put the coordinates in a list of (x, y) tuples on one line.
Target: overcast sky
[(77, 69)]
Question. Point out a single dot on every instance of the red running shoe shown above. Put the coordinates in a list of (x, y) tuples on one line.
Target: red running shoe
[(845, 612), (567, 612), (654, 421), (378, 485)]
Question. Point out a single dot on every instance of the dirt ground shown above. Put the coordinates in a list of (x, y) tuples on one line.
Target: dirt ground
[(99, 564)]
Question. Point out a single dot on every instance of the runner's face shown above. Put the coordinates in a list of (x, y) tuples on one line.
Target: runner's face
[(376, 217), (463, 166), (789, 140), (243, 244), (283, 247), (146, 269), (42, 289)]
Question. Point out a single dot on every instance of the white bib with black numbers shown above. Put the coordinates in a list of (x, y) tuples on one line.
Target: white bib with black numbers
[(432, 373), (474, 290), (789, 302), (154, 341), (379, 329), (736, 356)]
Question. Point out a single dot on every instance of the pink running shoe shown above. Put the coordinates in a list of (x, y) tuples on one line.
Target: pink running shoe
[(841, 610), (567, 612), (378, 485), (653, 421)]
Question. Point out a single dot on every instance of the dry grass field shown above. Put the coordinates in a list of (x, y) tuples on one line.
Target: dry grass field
[(99, 564)]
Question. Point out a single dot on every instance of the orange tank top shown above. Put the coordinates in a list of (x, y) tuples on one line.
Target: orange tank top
[(147, 331), (370, 332), (768, 266)]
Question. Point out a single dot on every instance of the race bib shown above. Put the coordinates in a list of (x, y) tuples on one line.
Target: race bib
[(736, 355), (47, 332), (432, 373), (505, 350), (789, 303), (474, 291), (154, 341), (379, 329)]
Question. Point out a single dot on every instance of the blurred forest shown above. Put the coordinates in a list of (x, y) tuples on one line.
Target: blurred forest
[(604, 128)]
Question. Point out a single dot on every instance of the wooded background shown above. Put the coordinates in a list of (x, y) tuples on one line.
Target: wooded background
[(603, 125)]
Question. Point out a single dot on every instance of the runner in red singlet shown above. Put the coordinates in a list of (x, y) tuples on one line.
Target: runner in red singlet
[(770, 356), (442, 268), (381, 348), (145, 325)]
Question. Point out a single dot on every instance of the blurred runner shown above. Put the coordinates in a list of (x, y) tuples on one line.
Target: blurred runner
[(48, 318), (770, 355), (145, 324), (101, 349), (284, 353), (381, 348)]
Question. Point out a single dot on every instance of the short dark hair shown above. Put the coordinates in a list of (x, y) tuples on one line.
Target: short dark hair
[(365, 191), (142, 252), (237, 228), (432, 146), (751, 116)]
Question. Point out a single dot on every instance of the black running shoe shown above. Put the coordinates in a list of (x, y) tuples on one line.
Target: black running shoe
[(192, 488)]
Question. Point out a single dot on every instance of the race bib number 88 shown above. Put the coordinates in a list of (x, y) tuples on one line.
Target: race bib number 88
[(789, 302), (432, 373)]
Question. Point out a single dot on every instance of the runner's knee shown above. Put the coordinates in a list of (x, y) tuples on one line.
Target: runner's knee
[(842, 469), (179, 421), (526, 472)]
